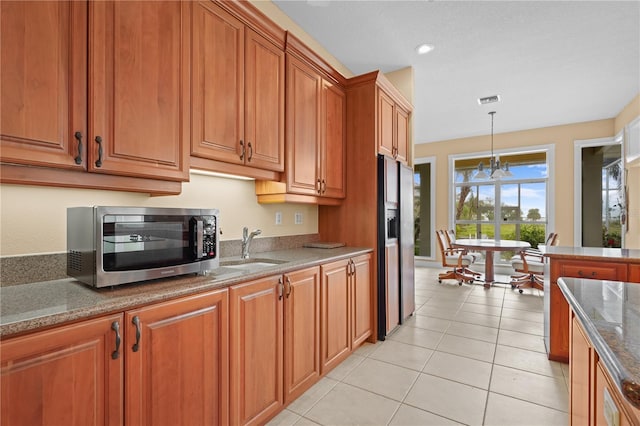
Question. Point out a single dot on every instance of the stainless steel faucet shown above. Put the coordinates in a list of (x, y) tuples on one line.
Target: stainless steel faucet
[(246, 240)]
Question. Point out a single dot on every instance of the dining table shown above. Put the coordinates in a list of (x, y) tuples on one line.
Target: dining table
[(489, 247)]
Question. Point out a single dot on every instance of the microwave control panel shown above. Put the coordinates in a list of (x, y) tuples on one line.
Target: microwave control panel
[(204, 236)]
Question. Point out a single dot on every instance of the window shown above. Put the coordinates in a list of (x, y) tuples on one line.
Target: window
[(512, 208)]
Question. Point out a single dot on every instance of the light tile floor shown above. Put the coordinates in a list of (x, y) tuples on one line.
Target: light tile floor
[(468, 355)]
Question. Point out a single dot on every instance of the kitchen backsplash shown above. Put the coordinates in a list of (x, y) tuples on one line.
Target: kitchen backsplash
[(16, 270)]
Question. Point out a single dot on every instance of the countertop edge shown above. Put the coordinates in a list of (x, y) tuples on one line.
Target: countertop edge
[(627, 387), (174, 288)]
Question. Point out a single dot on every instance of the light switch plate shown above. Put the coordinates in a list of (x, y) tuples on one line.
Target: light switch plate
[(298, 218), (278, 218)]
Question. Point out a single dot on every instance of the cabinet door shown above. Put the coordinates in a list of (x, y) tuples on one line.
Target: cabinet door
[(139, 88), (43, 75), (333, 153), (218, 81), (385, 125), (301, 332), (264, 87), (71, 375), (605, 417), (256, 350), (392, 295), (361, 300), (580, 373), (179, 372), (634, 274), (402, 134), (303, 106), (335, 311)]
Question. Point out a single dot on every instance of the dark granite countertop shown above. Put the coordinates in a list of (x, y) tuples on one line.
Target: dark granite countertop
[(31, 306), (610, 314), (593, 253)]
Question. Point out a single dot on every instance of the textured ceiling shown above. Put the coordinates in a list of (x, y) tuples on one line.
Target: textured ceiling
[(552, 62)]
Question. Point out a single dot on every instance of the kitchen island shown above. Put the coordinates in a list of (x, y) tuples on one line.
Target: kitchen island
[(604, 350), (579, 262)]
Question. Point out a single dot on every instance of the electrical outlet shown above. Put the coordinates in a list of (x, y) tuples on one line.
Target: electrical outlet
[(278, 218), (298, 218)]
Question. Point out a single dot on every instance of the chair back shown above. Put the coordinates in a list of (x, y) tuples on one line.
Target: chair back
[(442, 245), (451, 236)]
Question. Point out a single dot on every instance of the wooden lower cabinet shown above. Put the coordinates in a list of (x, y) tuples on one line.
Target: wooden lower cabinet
[(177, 369), (580, 375), (594, 399), (559, 320), (301, 331), (275, 343), (335, 312), (231, 356), (361, 300), (71, 375), (256, 336), (163, 364), (346, 316)]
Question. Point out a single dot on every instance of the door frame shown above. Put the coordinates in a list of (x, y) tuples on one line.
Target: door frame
[(432, 197), (578, 146)]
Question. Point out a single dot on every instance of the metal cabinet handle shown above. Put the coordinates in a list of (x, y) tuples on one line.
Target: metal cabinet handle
[(250, 152), (115, 326), (100, 152), (319, 190), (78, 137), (136, 322), (243, 150), (290, 287), (324, 186), (582, 274), (280, 288)]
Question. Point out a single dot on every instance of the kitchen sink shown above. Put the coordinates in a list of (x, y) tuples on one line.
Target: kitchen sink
[(251, 264)]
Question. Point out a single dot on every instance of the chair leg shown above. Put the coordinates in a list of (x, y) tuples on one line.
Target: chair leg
[(529, 281)]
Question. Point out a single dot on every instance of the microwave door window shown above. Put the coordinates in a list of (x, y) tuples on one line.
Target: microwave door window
[(151, 243)]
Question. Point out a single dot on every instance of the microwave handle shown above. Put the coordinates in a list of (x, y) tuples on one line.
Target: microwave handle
[(197, 233)]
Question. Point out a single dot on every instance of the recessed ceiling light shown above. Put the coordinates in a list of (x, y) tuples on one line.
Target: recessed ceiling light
[(489, 100), (424, 48)]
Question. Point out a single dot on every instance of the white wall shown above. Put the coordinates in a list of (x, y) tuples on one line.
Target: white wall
[(34, 218)]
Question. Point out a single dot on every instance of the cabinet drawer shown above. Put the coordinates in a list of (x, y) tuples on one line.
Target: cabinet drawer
[(598, 271)]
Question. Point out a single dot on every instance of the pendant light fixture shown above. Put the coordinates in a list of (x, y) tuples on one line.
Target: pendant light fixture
[(496, 172)]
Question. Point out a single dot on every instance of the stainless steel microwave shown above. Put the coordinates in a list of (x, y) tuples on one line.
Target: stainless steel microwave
[(109, 246)]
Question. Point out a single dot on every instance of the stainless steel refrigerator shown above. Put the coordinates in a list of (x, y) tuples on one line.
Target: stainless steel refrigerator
[(396, 285)]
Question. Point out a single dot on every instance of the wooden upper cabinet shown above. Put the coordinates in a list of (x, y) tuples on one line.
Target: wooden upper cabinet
[(177, 371), (264, 103), (303, 133), (139, 88), (71, 375), (238, 94), (333, 147), (43, 75), (392, 127), (386, 124), (218, 74), (402, 134)]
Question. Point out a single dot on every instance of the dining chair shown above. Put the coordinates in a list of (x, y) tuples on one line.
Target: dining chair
[(454, 259), (529, 267), (450, 237)]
